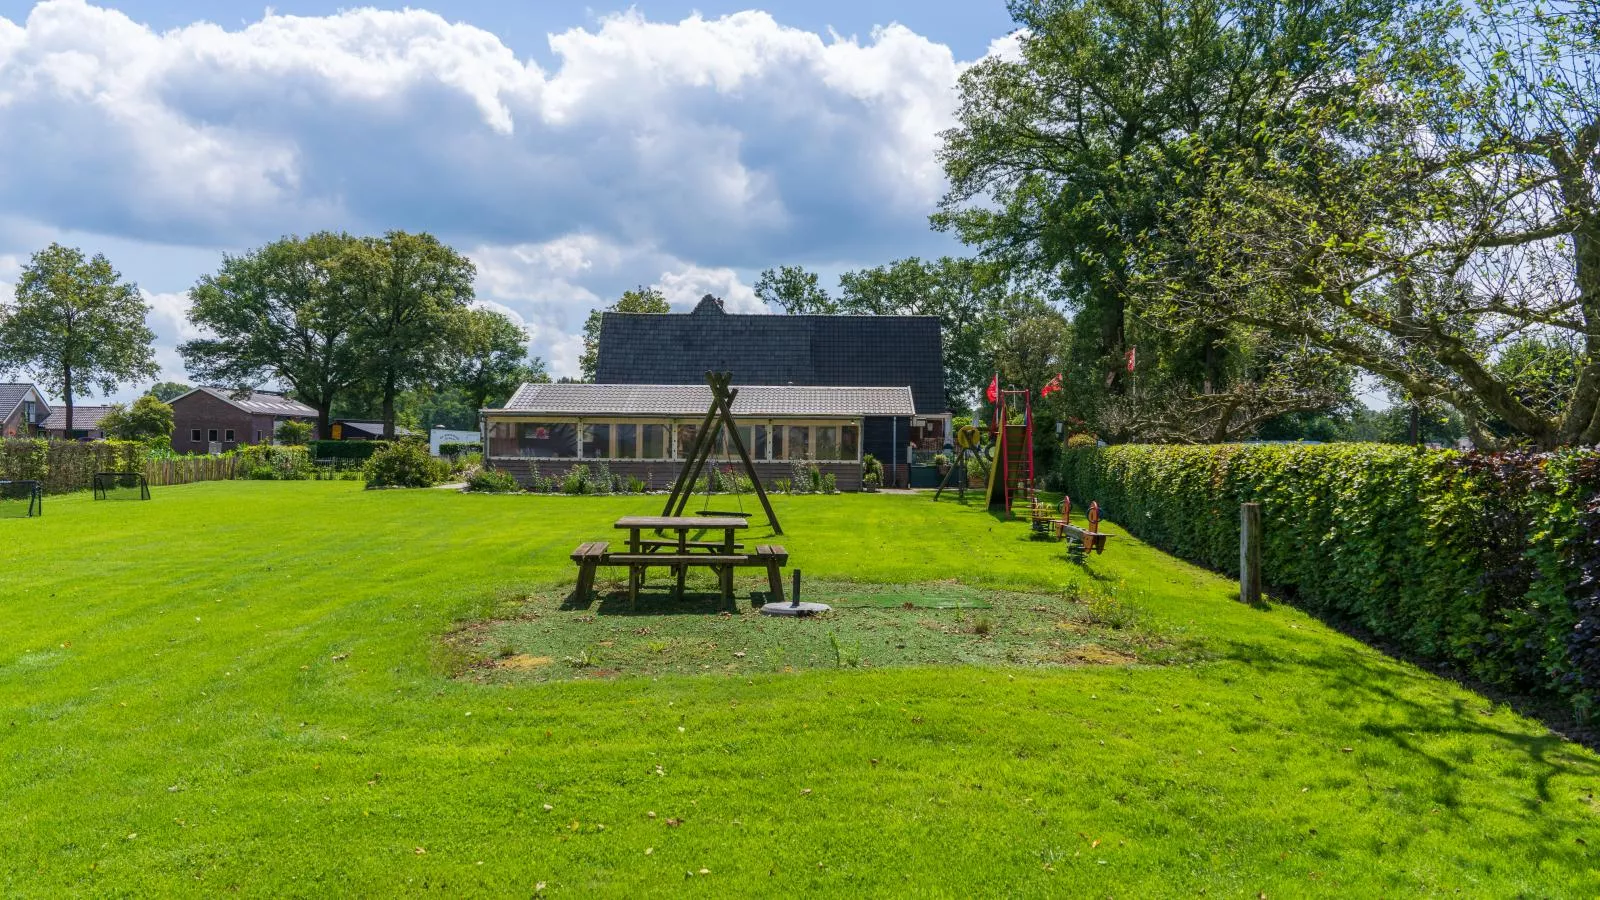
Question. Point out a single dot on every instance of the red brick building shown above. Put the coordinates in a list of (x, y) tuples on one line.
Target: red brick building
[(209, 419)]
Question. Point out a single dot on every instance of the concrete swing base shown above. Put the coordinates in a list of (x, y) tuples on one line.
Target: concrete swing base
[(794, 608)]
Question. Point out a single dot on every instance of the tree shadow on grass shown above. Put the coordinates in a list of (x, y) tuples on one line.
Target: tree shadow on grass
[(1405, 710)]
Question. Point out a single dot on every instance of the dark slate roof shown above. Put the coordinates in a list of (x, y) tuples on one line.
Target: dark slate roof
[(12, 395), (692, 400), (263, 403), (822, 351), (84, 418)]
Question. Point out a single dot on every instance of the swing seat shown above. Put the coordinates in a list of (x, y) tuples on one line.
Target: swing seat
[(713, 512)]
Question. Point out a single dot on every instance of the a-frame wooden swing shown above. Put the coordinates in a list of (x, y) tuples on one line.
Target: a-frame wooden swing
[(719, 418)]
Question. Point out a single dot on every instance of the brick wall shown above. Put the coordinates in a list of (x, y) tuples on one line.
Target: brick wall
[(200, 410)]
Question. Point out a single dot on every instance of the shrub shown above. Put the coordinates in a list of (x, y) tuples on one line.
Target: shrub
[(941, 460), (870, 482), (1486, 561), (635, 485), (493, 481), (871, 466), (576, 481), (361, 450), (829, 484), (295, 432), (404, 464), (457, 448), (267, 462)]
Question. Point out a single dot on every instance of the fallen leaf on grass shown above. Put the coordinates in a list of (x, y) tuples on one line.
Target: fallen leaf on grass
[(649, 850), (805, 791), (419, 851), (674, 823)]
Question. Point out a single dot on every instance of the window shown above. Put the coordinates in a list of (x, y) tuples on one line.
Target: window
[(849, 442), (211, 435), (627, 442), (258, 437), (758, 442), (194, 435), (798, 443), (777, 441), (229, 435), (536, 440), (596, 441), (686, 434), (827, 437), (653, 442)]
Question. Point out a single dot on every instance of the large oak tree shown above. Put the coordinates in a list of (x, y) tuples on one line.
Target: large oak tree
[(74, 322), (282, 312)]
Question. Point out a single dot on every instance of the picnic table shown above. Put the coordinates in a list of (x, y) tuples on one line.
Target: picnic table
[(679, 553)]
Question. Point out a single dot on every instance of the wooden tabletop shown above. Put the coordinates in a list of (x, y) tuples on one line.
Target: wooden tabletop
[(681, 523)]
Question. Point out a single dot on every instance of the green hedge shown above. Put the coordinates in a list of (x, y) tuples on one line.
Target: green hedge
[(1488, 561), (345, 449), (64, 466)]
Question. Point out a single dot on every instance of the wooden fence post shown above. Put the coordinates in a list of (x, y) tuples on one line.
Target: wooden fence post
[(1250, 553)]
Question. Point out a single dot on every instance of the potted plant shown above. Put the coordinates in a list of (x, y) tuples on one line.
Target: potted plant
[(942, 463)]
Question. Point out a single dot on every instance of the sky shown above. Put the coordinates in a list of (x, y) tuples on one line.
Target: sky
[(572, 150)]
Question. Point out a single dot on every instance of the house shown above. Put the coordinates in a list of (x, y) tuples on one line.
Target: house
[(349, 430), (23, 410), (826, 389), (210, 419), (85, 423)]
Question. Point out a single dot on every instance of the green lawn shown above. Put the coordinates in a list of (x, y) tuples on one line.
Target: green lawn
[(291, 689)]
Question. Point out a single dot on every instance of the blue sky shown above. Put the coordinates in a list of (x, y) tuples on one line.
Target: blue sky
[(573, 150)]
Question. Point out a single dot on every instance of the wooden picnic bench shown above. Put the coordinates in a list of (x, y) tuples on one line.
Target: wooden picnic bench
[(679, 554)]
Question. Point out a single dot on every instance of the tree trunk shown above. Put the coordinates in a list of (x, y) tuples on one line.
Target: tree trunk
[(66, 397), (388, 407), (324, 420)]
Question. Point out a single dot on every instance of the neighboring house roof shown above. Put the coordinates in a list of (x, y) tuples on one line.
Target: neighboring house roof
[(372, 427), (833, 351), (84, 418), (260, 403), (12, 395), (692, 400)]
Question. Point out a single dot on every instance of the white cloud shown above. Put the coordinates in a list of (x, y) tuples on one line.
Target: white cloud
[(722, 139), (684, 288)]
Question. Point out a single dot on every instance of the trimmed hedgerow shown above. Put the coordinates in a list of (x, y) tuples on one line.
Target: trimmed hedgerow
[(1488, 561), (345, 449)]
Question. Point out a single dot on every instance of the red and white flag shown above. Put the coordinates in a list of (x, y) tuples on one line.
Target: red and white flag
[(994, 389), (1131, 353)]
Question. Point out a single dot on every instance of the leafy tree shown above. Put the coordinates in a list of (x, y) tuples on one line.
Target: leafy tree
[(1070, 166), (282, 312), (147, 419), (641, 300), (491, 358), (294, 432), (73, 322), (1422, 260), (167, 391), (408, 290), (795, 291)]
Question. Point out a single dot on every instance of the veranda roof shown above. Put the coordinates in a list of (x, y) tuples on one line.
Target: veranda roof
[(754, 401)]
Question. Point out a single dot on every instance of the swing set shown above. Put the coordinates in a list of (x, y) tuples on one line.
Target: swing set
[(718, 423)]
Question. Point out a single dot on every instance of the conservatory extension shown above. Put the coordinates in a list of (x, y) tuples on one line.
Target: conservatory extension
[(643, 431)]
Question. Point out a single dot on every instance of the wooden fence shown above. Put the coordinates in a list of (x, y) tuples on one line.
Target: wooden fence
[(189, 469)]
